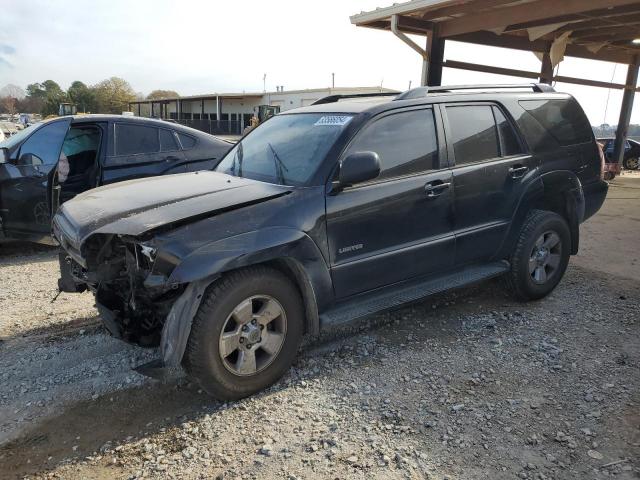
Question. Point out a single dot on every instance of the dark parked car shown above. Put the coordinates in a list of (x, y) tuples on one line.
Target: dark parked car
[(51, 162), (332, 212), (631, 152)]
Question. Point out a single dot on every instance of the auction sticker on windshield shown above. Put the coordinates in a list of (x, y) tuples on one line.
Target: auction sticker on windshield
[(333, 120)]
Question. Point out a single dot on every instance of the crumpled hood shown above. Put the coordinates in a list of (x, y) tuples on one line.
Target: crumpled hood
[(137, 206)]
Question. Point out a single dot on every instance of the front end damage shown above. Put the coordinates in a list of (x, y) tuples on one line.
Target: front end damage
[(130, 281)]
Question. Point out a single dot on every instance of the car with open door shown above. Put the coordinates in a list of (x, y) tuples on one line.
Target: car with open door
[(630, 159), (51, 162), (332, 212)]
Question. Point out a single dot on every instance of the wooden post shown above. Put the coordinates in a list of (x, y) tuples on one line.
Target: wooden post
[(625, 111), (546, 73), (435, 54)]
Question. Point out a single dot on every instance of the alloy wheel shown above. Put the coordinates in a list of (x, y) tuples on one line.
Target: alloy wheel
[(252, 335), (545, 257)]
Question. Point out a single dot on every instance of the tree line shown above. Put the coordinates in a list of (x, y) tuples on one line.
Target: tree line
[(108, 96)]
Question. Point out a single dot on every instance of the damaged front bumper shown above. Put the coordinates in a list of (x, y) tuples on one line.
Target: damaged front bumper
[(129, 279)]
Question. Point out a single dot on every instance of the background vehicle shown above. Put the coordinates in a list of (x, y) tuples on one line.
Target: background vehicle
[(332, 212), (51, 162), (631, 159)]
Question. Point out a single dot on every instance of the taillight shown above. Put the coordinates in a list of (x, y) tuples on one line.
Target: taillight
[(602, 160)]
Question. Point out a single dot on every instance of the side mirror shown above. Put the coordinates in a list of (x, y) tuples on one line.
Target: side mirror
[(4, 155), (359, 167)]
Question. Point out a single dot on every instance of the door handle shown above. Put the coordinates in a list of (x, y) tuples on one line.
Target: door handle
[(518, 171), (171, 158), (435, 189)]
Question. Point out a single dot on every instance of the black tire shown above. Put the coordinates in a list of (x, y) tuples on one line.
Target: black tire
[(521, 282), (203, 360), (631, 163)]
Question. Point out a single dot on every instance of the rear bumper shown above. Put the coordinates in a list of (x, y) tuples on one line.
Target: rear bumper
[(594, 196)]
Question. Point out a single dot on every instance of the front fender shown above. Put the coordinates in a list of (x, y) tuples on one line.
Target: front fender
[(207, 263), (255, 247)]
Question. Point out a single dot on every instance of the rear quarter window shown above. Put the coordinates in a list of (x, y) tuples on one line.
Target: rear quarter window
[(187, 141), (562, 118)]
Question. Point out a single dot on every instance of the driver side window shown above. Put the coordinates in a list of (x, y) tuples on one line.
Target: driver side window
[(406, 143), (43, 147)]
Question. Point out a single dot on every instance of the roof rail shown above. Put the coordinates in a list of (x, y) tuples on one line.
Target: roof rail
[(337, 98), (424, 91)]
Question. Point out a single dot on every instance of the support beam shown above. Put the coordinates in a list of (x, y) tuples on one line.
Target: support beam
[(546, 74), (435, 53), (395, 24), (510, 72), (625, 111)]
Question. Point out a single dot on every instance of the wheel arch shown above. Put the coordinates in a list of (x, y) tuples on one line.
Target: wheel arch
[(559, 192), (287, 250)]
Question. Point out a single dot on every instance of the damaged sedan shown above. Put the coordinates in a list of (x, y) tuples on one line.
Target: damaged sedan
[(330, 213)]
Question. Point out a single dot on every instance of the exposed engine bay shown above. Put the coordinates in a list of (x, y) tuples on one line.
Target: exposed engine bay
[(129, 283)]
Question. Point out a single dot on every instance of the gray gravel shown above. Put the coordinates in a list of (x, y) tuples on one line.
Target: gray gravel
[(467, 385)]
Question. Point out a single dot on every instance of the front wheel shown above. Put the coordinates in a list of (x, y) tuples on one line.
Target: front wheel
[(541, 256), (246, 333)]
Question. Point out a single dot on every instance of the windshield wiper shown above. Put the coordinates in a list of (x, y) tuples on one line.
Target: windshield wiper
[(280, 166)]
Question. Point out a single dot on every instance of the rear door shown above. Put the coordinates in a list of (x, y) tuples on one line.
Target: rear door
[(399, 225), (138, 150), (491, 169), (25, 182)]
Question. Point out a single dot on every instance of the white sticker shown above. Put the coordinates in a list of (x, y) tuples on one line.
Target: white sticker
[(333, 120)]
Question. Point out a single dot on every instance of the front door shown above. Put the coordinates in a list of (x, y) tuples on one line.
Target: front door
[(489, 176), (142, 151), (400, 225), (25, 182)]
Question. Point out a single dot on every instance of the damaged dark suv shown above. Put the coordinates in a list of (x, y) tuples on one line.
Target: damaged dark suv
[(330, 213)]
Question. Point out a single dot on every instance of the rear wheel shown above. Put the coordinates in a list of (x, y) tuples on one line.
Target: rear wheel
[(245, 334), (631, 163), (541, 256)]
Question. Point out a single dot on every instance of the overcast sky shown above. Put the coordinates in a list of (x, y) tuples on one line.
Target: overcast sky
[(210, 46)]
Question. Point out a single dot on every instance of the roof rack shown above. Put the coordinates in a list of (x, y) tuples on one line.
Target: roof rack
[(424, 91), (337, 98)]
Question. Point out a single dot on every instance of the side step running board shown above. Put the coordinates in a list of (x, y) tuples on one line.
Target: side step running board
[(407, 292)]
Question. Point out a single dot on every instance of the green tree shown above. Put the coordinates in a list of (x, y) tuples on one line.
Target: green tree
[(160, 94), (113, 95), (83, 96), (47, 96)]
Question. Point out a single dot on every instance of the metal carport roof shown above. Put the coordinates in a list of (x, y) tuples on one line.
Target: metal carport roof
[(592, 29)]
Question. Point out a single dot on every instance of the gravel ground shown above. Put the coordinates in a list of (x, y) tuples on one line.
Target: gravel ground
[(466, 385)]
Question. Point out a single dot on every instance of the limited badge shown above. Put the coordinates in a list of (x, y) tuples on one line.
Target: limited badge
[(333, 120)]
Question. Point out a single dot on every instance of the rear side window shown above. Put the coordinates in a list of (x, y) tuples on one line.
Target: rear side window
[(167, 141), (187, 141), (562, 118), (509, 143), (406, 143), (136, 139), (474, 133)]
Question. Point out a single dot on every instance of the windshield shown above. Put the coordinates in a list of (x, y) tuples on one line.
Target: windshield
[(286, 150)]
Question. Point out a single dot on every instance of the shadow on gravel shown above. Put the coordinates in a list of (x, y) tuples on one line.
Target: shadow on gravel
[(86, 426), (90, 324), (83, 428), (14, 249)]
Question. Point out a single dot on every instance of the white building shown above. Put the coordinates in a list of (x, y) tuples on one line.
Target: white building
[(230, 113)]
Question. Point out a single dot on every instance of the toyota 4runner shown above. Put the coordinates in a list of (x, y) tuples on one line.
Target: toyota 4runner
[(332, 212)]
